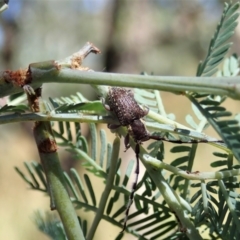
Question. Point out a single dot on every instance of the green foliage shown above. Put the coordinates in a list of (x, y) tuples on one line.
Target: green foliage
[(77, 103), (211, 203), (83, 194), (50, 225), (218, 46), (15, 109)]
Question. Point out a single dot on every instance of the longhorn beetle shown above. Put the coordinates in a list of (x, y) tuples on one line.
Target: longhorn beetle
[(128, 112)]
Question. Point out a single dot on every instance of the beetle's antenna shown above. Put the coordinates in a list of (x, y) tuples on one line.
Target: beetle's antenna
[(158, 138)]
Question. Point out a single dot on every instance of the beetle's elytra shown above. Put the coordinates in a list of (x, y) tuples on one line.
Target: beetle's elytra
[(121, 101)]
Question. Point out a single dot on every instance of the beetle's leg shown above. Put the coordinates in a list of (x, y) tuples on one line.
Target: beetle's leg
[(145, 110), (113, 126), (134, 187), (126, 142)]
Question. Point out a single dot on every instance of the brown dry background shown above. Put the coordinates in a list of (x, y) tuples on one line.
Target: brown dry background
[(164, 37)]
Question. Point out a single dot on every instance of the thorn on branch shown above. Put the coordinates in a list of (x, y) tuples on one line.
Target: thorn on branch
[(77, 58)]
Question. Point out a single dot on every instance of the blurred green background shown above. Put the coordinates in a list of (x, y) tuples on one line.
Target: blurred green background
[(163, 37)]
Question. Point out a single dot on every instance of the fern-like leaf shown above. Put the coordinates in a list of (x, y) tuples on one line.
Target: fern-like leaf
[(77, 103), (50, 225), (218, 46), (15, 109)]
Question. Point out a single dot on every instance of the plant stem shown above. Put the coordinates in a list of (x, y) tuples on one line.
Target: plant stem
[(49, 72), (59, 117), (56, 182), (218, 85), (157, 164), (108, 188), (168, 126), (173, 201)]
